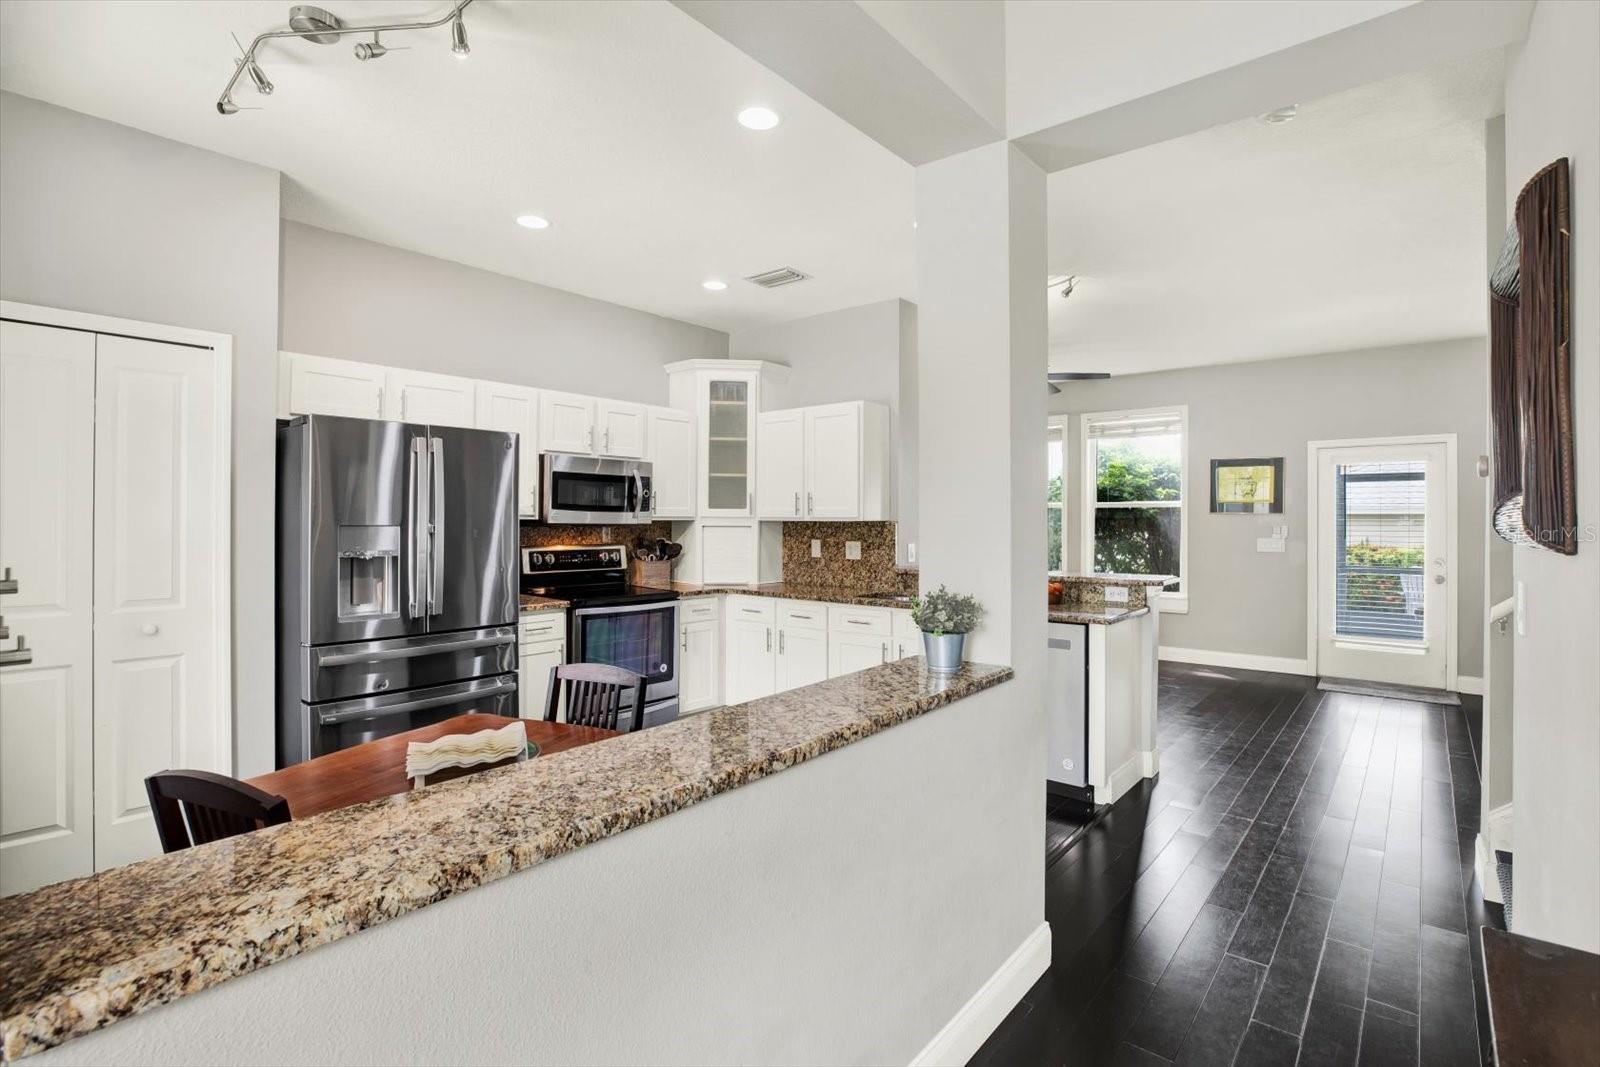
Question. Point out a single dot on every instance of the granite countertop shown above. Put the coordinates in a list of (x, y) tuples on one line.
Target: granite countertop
[(531, 604), (1117, 579), (789, 591), (82, 954), (1102, 615)]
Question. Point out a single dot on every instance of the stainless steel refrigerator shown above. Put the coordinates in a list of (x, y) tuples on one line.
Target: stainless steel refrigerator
[(397, 579)]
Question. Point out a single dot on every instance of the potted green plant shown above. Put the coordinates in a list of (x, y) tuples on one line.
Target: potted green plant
[(945, 619)]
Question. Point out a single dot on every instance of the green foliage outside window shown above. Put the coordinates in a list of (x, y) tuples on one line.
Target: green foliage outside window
[(1379, 592), (1138, 540)]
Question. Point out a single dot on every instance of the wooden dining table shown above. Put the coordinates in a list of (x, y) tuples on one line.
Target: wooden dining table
[(377, 769)]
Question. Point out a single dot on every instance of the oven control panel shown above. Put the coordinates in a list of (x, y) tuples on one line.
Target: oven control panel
[(575, 559)]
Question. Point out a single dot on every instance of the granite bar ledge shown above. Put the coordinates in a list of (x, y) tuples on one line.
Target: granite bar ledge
[(83, 954)]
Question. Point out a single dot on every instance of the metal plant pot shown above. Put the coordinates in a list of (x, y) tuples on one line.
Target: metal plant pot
[(943, 651)]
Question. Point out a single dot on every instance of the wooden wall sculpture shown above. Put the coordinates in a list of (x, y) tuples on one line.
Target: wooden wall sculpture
[(1530, 369)]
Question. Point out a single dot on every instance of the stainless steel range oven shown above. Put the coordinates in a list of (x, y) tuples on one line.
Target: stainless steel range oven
[(610, 621), (585, 489)]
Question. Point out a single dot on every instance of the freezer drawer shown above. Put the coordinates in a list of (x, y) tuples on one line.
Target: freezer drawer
[(1067, 704), (363, 668), (339, 724)]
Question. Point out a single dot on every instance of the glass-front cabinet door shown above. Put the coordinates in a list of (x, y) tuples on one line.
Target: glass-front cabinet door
[(729, 419)]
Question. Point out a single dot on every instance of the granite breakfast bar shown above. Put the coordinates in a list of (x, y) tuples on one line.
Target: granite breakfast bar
[(702, 902)]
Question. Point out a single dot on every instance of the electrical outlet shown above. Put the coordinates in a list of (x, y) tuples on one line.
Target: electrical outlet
[(816, 548), (1116, 594), (911, 552), (1269, 544), (852, 550)]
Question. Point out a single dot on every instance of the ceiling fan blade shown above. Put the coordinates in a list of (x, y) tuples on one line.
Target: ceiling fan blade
[(1077, 375)]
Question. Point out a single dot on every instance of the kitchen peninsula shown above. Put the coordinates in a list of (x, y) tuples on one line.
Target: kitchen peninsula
[(711, 909)]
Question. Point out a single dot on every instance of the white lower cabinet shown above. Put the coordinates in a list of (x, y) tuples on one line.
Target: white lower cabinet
[(851, 652), (752, 657), (907, 637), (802, 657), (699, 654), (543, 647)]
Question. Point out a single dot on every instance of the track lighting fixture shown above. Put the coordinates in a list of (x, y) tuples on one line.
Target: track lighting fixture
[(313, 24)]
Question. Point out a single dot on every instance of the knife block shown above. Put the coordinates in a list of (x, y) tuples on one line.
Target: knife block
[(652, 574)]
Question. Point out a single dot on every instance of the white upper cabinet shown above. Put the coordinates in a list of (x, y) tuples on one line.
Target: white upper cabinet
[(834, 461), (515, 409), (566, 422), (780, 464), (725, 395), (672, 452), (316, 385), (434, 399), (619, 429)]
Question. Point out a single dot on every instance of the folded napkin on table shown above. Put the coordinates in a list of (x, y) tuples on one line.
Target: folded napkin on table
[(465, 750)]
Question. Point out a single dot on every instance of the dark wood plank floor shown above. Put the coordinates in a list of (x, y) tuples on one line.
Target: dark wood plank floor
[(1296, 886)]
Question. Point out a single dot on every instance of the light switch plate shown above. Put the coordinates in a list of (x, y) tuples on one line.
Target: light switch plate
[(1269, 544), (852, 550), (911, 552), (1522, 611), (1116, 594), (816, 548)]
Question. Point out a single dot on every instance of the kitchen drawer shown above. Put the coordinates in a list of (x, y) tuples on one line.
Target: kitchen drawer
[(544, 626), (854, 620), (699, 608), (752, 608), (802, 615)]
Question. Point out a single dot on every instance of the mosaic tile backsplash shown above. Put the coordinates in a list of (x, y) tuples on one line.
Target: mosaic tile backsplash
[(874, 572), (541, 535)]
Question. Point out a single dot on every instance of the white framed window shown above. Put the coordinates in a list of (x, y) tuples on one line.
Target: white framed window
[(1135, 496), (1055, 499)]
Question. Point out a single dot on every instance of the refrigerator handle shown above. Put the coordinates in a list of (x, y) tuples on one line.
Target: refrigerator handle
[(436, 524), (415, 508)]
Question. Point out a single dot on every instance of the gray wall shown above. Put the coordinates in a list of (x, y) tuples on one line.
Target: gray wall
[(354, 299), (1553, 110), (1254, 603), (859, 353), (101, 218)]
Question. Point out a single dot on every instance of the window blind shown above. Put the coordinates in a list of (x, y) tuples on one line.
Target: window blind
[(1381, 538), (1147, 425)]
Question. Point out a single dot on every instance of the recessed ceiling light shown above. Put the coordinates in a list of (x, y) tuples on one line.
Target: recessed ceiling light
[(1278, 116), (714, 285), (758, 118), (533, 222)]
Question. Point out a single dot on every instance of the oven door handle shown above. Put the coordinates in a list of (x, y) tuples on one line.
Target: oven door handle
[(339, 659), (352, 710)]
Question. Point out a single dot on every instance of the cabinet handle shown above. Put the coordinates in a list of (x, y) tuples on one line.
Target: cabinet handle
[(683, 640), (780, 642), (588, 438), (769, 639), (797, 615), (605, 439), (810, 509), (749, 501), (885, 652), (797, 501), (858, 622), (403, 399)]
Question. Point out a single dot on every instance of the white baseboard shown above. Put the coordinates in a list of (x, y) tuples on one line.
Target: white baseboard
[(1467, 683), (1121, 780), (1497, 828), (969, 1028), (1484, 861), (1151, 760), (1207, 657)]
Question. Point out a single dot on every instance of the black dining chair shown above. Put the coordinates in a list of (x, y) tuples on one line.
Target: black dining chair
[(595, 694), (194, 807)]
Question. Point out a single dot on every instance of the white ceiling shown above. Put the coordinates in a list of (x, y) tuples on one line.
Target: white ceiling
[(1359, 224), (614, 120)]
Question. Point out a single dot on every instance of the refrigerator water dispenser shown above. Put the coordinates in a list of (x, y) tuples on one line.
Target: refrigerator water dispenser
[(369, 572)]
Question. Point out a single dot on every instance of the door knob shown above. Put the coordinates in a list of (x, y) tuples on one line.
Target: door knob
[(149, 629)]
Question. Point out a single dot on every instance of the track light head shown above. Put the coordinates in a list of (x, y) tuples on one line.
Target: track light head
[(458, 37), (226, 106), (257, 78), (372, 49)]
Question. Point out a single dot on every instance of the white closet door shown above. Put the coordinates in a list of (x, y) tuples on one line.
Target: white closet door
[(156, 533), (46, 538)]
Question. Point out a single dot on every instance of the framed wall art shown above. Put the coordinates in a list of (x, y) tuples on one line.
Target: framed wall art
[(1247, 486)]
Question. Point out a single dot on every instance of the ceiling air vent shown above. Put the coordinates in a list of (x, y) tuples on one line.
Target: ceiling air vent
[(771, 279)]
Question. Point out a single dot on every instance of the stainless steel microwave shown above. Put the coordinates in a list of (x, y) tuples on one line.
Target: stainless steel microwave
[(585, 489)]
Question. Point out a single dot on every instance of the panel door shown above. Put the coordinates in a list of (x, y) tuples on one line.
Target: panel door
[(47, 542), (672, 455), (802, 657), (780, 464), (728, 445), (434, 399), (698, 666), (566, 422), (752, 661), (472, 557), (1383, 563), (515, 409), (321, 386), (159, 631), (621, 427), (848, 653), (533, 678), (728, 553), (833, 461)]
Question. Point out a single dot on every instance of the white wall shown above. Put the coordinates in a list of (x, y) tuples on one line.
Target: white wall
[(1553, 110), (354, 299), (105, 219), (859, 353), (1252, 603), (838, 912)]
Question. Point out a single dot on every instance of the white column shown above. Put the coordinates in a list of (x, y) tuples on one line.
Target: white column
[(981, 341)]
